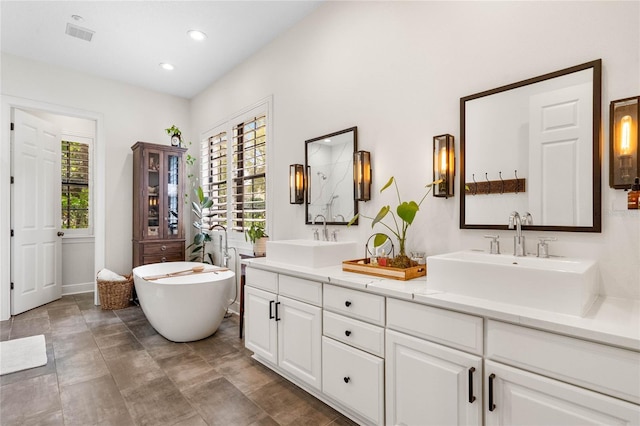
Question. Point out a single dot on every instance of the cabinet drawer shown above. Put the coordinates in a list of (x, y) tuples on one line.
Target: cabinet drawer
[(460, 331), (300, 289), (161, 258), (606, 369), (356, 304), (163, 248), (262, 279), (354, 378), (356, 333)]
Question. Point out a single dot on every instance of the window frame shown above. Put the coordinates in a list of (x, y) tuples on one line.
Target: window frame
[(262, 107), (87, 140)]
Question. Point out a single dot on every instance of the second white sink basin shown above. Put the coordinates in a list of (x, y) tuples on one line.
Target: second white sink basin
[(562, 285), (311, 253)]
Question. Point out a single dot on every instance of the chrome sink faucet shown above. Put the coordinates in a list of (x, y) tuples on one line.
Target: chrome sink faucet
[(518, 240), (325, 231)]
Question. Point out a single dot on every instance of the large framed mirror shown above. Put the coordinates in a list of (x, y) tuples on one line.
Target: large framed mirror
[(533, 147), (330, 187)]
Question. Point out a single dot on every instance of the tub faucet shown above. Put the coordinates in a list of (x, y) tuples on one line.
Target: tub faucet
[(325, 231), (518, 240), (225, 252)]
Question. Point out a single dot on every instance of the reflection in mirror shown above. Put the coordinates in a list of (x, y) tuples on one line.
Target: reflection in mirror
[(533, 147), (330, 188)]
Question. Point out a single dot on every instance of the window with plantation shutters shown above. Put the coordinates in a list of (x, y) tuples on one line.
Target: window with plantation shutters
[(75, 185), (233, 172), (213, 178), (249, 188)]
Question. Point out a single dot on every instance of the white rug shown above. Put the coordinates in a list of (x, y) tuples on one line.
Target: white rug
[(21, 354)]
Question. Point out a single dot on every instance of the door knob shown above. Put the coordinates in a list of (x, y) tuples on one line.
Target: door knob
[(60, 233)]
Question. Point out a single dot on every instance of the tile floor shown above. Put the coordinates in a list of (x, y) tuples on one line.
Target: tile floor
[(112, 368)]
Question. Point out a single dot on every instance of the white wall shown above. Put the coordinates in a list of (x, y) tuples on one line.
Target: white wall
[(397, 71), (129, 114)]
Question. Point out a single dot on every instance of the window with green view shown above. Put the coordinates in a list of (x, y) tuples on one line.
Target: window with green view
[(75, 185)]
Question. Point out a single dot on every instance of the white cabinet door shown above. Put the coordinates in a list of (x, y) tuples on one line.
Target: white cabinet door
[(430, 384), (354, 378), (299, 333), (261, 330), (517, 397)]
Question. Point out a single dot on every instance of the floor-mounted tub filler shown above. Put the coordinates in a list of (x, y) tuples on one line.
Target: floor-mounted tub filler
[(186, 306)]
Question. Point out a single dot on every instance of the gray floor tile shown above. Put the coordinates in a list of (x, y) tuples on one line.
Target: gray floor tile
[(96, 401), (28, 399)]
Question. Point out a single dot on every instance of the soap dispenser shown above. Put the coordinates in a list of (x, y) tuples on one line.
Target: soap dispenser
[(633, 198)]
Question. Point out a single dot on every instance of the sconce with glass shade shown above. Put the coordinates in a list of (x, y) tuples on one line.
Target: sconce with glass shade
[(624, 162), (362, 175), (296, 184), (443, 165)]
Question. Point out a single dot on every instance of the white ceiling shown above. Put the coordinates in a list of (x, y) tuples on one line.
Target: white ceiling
[(133, 37)]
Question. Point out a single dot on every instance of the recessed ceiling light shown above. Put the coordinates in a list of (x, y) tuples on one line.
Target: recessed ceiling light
[(77, 18), (197, 35), (166, 66)]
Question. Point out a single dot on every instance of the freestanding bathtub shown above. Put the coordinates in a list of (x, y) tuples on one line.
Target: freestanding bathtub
[(183, 308)]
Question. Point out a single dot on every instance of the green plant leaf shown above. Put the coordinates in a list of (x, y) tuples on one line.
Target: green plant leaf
[(435, 182), (195, 208), (353, 219), (198, 238), (407, 211), (388, 184), (200, 194), (381, 214), (207, 203), (197, 225), (379, 240)]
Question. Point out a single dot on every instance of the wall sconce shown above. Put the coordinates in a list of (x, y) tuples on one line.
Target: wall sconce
[(296, 184), (362, 175), (624, 162), (443, 165)]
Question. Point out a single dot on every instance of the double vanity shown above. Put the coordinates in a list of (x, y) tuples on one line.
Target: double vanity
[(483, 339)]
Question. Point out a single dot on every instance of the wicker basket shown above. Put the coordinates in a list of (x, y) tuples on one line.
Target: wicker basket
[(115, 294)]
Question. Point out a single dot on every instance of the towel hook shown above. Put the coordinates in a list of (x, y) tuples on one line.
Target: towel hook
[(486, 177), (501, 183), (475, 190), (517, 183)]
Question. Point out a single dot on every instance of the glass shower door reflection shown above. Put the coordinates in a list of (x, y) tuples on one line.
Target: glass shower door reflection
[(173, 194)]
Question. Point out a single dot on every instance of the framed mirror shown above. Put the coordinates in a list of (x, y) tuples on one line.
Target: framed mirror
[(330, 187), (533, 147)]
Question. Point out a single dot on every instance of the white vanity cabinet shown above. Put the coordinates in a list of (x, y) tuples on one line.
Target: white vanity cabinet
[(536, 377), (282, 330), (353, 351), (429, 383)]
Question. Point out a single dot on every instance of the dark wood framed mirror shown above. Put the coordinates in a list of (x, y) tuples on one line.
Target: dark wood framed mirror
[(534, 147), (329, 167)]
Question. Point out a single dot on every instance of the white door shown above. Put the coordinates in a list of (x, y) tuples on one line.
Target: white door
[(299, 344), (36, 263), (522, 398), (430, 384), (560, 150), (261, 330)]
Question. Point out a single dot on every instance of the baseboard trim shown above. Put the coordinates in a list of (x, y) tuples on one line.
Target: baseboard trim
[(77, 288)]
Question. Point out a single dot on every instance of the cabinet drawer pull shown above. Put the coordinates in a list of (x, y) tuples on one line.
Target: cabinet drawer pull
[(347, 379), (471, 396), (164, 259), (347, 303), (492, 406), (347, 333), (277, 318), (271, 302), (163, 248)]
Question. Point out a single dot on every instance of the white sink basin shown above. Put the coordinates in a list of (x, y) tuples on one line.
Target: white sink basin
[(562, 285), (311, 253)]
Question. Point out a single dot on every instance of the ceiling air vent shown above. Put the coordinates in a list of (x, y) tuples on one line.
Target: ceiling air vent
[(79, 32)]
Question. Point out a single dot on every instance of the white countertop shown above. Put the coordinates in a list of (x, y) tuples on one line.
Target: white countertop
[(610, 320)]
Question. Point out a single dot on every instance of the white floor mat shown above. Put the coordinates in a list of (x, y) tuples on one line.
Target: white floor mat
[(21, 354)]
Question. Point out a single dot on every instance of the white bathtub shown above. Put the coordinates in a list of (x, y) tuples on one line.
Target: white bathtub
[(183, 308)]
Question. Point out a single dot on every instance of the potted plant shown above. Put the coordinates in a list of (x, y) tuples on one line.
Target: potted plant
[(256, 235), (201, 237), (405, 211), (175, 134)]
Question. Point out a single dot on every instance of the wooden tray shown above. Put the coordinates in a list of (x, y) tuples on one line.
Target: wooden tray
[(362, 266)]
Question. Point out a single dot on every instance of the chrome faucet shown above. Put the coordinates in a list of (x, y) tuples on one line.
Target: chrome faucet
[(518, 240), (325, 231), (225, 252)]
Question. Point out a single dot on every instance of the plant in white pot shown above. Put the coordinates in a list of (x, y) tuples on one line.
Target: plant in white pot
[(256, 235)]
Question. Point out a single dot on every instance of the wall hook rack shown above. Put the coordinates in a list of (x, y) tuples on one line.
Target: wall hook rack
[(501, 186)]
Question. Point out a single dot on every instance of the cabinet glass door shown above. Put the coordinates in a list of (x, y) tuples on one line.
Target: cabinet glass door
[(173, 196), (153, 194)]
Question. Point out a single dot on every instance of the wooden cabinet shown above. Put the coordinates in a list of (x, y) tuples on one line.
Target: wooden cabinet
[(158, 203)]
